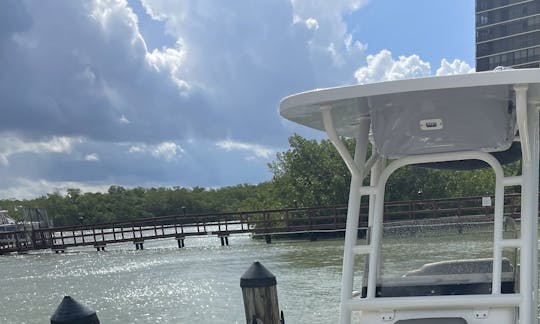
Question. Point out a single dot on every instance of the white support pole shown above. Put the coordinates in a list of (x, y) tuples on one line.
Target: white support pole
[(351, 231), (375, 173), (533, 128), (376, 170), (534, 140), (354, 166), (375, 239), (529, 194), (498, 228), (353, 211)]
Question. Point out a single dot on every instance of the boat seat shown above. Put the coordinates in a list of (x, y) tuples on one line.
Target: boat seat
[(456, 277), (454, 320)]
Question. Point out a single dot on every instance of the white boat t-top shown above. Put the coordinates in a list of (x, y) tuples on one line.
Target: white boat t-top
[(430, 121)]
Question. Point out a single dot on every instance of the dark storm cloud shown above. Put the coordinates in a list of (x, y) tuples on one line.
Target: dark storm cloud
[(85, 104), (78, 70)]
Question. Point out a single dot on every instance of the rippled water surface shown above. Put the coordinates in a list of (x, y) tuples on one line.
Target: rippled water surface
[(201, 282)]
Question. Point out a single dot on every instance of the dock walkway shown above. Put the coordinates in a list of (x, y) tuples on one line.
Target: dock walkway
[(301, 221)]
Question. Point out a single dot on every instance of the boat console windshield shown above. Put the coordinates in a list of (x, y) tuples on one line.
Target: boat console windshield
[(478, 117)]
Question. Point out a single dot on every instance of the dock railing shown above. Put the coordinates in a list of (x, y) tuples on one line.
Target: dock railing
[(291, 221)]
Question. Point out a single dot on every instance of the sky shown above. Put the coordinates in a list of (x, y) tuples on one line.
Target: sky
[(186, 93)]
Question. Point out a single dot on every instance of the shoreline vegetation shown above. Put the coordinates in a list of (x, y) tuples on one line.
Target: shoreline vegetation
[(309, 174)]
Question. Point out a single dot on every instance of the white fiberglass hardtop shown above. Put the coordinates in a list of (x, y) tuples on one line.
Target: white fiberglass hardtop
[(435, 120)]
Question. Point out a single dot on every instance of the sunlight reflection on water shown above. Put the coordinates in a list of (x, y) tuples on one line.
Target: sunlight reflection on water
[(202, 281)]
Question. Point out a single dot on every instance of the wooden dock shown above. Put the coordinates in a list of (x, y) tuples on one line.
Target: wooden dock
[(309, 222)]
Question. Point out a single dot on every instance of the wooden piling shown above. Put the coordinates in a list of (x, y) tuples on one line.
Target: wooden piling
[(224, 240), (260, 295), (100, 246), (180, 240), (139, 244)]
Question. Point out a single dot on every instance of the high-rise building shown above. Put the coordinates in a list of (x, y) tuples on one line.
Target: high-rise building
[(507, 34)]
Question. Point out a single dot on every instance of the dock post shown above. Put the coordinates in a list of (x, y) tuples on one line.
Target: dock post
[(260, 295), (180, 240), (224, 240), (100, 247), (139, 245), (71, 311), (268, 238)]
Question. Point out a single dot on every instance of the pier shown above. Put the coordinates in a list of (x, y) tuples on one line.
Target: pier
[(302, 222)]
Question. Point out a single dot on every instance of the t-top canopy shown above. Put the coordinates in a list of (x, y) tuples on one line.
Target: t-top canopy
[(426, 115)]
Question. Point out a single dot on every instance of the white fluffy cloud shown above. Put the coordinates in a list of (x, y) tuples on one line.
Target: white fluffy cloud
[(456, 67), (166, 150), (255, 150), (11, 144), (383, 67)]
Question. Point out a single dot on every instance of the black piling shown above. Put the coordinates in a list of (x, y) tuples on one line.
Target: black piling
[(180, 241), (71, 311), (100, 247), (268, 239), (260, 295), (224, 240), (139, 245)]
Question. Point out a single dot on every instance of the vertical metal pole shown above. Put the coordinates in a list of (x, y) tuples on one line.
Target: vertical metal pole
[(373, 180), (528, 197), (356, 167), (498, 219), (374, 176), (375, 239), (353, 212), (534, 141)]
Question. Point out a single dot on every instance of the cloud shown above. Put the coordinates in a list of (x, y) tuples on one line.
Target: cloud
[(456, 67), (92, 76), (11, 144), (24, 188), (166, 150), (383, 67), (255, 150), (312, 23), (91, 157), (88, 89)]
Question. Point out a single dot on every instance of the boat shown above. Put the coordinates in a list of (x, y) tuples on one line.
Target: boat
[(22, 235), (7, 225), (440, 121)]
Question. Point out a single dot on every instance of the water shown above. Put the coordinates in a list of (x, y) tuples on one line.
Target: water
[(201, 282)]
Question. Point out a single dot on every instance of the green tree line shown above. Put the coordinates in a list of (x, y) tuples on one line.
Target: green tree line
[(309, 174)]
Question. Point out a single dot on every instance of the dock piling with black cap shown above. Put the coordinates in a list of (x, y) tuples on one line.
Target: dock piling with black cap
[(260, 295), (71, 311)]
